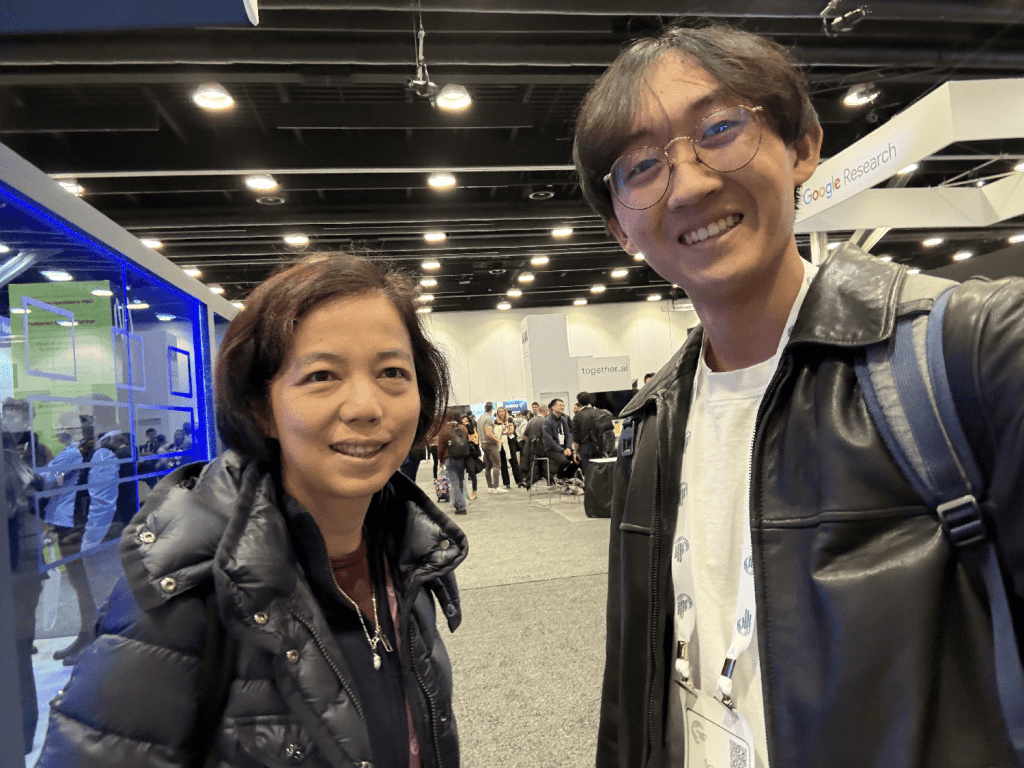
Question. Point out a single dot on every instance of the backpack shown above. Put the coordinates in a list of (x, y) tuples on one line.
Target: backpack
[(602, 432), (458, 444)]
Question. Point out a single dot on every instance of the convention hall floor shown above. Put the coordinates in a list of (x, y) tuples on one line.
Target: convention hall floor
[(527, 659)]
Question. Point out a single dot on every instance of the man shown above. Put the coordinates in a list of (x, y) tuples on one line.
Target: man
[(558, 441), (868, 647), (533, 443), (489, 446), (535, 407), (584, 434)]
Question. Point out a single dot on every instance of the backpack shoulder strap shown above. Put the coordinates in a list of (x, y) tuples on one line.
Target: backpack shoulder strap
[(906, 389)]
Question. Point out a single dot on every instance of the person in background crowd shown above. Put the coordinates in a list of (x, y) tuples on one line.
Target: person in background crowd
[(505, 429), (535, 407), (411, 465), (456, 466), (490, 449), (469, 423), (583, 430), (558, 441), (533, 444), (648, 377), (760, 511), (432, 449), (282, 599), (151, 445)]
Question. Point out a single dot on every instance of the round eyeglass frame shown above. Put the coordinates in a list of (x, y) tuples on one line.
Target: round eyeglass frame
[(607, 178)]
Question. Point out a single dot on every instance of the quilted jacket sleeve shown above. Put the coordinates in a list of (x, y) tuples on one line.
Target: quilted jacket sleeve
[(132, 698)]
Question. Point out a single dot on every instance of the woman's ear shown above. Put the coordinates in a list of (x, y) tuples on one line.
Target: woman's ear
[(620, 234)]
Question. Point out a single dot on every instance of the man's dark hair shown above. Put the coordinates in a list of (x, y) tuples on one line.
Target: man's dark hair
[(754, 68), (585, 398), (552, 403), (535, 403), (258, 340), (488, 407), (151, 430), (648, 377)]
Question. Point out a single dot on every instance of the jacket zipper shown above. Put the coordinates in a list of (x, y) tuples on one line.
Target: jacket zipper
[(430, 700), (656, 570), (331, 664)]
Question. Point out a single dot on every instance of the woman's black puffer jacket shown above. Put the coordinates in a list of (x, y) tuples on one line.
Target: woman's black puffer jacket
[(211, 542)]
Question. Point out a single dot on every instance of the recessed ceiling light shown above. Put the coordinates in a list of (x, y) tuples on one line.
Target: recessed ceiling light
[(150, 242), (885, 257), (1019, 167), (297, 239), (261, 182), (579, 303), (212, 96), (515, 293), (424, 310), (4, 248), (164, 318), (654, 297), (431, 264), (138, 305), (541, 194), (434, 237), (57, 275), (425, 297), (539, 261), (638, 257), (270, 200), (443, 180), (914, 271), (192, 271), (597, 288), (1017, 238), (909, 169), (931, 242), (561, 231), (980, 183), (620, 272), (215, 288), (859, 95), (428, 282), (504, 305), (72, 186), (67, 323), (20, 311), (526, 277), (102, 292), (962, 255), (238, 305), (453, 97)]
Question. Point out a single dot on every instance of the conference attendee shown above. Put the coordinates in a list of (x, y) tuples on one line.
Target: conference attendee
[(533, 446), (489, 446), (280, 602), (453, 450), (585, 435), (505, 429), (647, 378), (557, 433), (411, 466), (469, 423), (779, 595)]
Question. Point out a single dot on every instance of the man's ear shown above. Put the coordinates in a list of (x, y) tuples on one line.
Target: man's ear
[(622, 237), (807, 154)]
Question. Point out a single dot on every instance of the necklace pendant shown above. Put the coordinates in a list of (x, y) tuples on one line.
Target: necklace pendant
[(376, 661)]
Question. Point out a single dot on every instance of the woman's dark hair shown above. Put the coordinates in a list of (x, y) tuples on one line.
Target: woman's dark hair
[(258, 340), (756, 69)]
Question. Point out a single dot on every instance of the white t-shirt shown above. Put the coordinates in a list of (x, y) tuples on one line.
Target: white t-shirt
[(714, 498)]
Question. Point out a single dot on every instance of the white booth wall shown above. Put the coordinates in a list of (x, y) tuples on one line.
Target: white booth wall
[(484, 348)]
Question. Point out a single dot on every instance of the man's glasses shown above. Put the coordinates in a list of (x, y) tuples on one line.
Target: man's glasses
[(724, 141)]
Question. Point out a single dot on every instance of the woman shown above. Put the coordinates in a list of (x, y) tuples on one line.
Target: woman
[(455, 465), (279, 607), (469, 423), (505, 429)]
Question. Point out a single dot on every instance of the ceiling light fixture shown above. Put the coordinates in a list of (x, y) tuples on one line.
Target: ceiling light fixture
[(218, 289), (1017, 238), (138, 305), (298, 240), (526, 277), (561, 232), (238, 305), (102, 292), (270, 200), (443, 180), (597, 288), (859, 95), (654, 297), (431, 264), (914, 271), (1019, 167), (191, 271), (213, 96), (428, 282), (150, 242), (72, 186), (541, 194), (503, 305), (57, 275), (515, 293), (20, 311), (453, 97), (931, 242), (639, 257), (962, 255), (909, 169), (425, 297), (539, 261), (434, 237), (885, 257), (164, 318), (424, 310), (620, 272), (4, 248), (580, 303), (67, 323), (261, 182)]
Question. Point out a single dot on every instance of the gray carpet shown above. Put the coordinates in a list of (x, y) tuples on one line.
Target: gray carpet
[(528, 657)]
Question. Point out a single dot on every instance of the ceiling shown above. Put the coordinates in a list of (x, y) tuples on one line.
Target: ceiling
[(323, 103)]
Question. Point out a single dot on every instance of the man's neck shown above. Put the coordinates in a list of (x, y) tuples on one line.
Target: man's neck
[(743, 331)]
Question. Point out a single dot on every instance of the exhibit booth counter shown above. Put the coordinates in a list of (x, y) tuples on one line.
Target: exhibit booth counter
[(106, 383)]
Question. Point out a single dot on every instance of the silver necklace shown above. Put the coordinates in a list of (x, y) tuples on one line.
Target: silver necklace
[(378, 636)]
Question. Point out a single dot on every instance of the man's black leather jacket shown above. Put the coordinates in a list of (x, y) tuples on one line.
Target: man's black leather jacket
[(876, 648)]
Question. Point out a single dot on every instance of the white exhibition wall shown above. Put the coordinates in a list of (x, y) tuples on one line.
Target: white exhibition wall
[(484, 349)]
